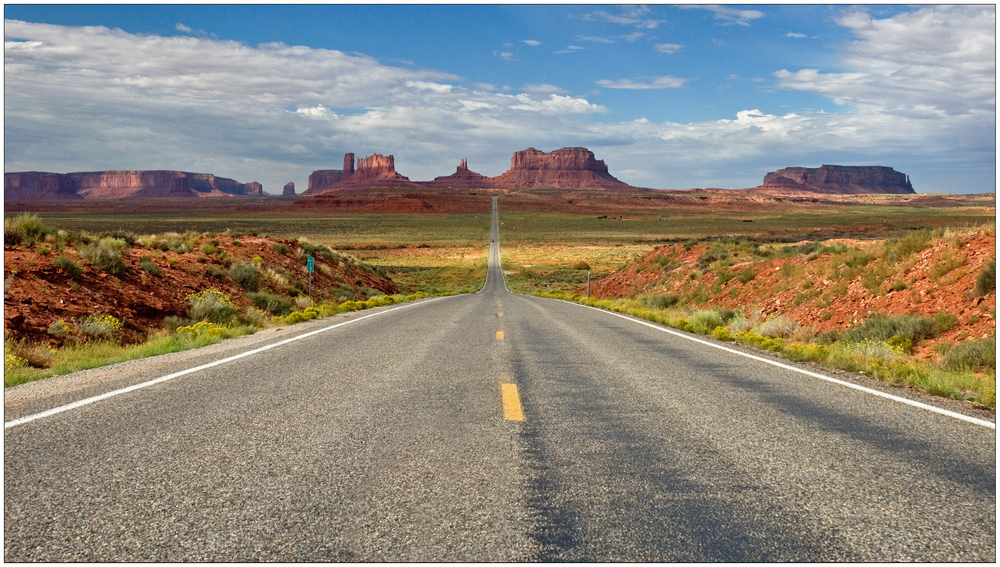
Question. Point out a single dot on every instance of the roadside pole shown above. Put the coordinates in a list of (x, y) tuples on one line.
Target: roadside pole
[(310, 264)]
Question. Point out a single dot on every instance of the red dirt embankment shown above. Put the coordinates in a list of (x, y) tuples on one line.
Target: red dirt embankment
[(37, 294), (821, 290)]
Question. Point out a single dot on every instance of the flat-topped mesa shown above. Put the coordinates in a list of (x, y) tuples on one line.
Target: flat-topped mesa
[(122, 184), (838, 179), (463, 178), (288, 190), (565, 168)]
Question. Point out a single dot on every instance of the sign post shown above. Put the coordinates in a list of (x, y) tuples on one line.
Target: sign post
[(310, 264)]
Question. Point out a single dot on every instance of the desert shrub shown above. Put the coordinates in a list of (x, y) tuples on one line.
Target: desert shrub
[(986, 281), (945, 321), (946, 264), (900, 248), (705, 321), (869, 349), (213, 306), (179, 246), (280, 248), (150, 266), (246, 276), (660, 301), (26, 229), (881, 327), (22, 353), (902, 345), (271, 303), (713, 254), (971, 356), (58, 328), (210, 249), (108, 255), (99, 325), (777, 327), (581, 265), (217, 272), (69, 266)]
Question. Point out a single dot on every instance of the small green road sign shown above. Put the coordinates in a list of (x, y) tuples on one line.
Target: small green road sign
[(309, 264)]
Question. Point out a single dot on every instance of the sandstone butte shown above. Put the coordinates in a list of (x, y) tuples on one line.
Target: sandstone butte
[(565, 168), (288, 190), (837, 179), (36, 185)]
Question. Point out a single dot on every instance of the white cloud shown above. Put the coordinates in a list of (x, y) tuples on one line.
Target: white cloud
[(932, 61), (543, 88), (595, 39), (630, 16), (632, 37), (731, 15), (556, 104), (796, 35), (668, 48), (665, 82), (182, 28), (428, 86), (506, 56), (318, 112), (571, 49), (531, 42)]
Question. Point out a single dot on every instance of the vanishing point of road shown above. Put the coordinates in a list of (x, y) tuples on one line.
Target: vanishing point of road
[(487, 427)]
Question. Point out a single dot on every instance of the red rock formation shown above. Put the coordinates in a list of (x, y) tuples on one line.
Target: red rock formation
[(38, 185), (566, 168), (321, 179), (463, 178), (837, 179), (375, 170), (32, 186), (288, 190)]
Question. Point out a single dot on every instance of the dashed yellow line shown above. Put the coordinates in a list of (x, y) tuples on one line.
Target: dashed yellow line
[(499, 335), (512, 410), (500, 314)]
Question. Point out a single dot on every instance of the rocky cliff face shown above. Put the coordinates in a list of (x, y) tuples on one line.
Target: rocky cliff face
[(565, 168), (38, 185), (33, 186), (321, 179), (288, 190), (838, 179)]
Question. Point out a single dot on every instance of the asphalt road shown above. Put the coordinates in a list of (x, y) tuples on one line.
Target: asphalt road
[(394, 435)]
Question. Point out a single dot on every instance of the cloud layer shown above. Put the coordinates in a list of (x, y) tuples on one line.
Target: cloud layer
[(915, 92)]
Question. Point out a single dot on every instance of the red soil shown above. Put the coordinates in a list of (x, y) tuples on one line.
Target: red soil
[(772, 293), (40, 294)]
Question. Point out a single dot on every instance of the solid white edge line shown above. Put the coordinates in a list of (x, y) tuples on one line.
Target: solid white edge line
[(106, 395), (920, 405)]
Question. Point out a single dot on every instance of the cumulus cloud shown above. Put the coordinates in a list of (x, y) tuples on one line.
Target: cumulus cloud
[(531, 42), (182, 28), (665, 82), (911, 63)]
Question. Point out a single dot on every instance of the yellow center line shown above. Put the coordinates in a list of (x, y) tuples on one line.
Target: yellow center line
[(499, 335), (500, 314), (512, 410)]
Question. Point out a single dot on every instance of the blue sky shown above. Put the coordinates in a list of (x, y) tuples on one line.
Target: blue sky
[(669, 96)]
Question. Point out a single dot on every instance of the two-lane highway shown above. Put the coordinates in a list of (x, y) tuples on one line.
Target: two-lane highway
[(496, 427)]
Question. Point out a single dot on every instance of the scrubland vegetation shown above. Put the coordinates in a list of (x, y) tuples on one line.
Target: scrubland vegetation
[(916, 310)]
